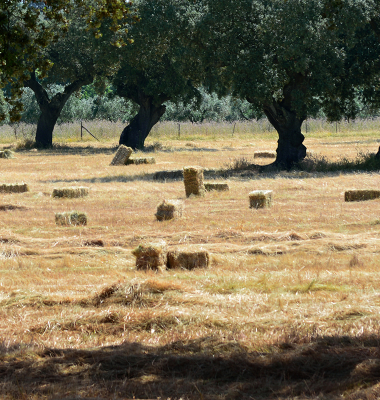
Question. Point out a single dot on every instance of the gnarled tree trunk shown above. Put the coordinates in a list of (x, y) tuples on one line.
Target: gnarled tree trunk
[(290, 149), (149, 114), (51, 108)]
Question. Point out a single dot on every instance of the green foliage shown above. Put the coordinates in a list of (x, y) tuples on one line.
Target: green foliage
[(281, 51), (4, 108), (210, 107), (86, 105), (27, 28), (155, 65)]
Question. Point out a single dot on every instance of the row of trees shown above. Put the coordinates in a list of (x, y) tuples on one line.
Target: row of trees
[(86, 104), (287, 58)]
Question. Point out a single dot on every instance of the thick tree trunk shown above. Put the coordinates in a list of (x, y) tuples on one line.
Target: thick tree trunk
[(45, 126), (136, 132), (290, 149), (51, 108)]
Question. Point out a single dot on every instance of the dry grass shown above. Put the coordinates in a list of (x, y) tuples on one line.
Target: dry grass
[(288, 308)]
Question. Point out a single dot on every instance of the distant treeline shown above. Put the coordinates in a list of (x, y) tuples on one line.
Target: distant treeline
[(88, 105)]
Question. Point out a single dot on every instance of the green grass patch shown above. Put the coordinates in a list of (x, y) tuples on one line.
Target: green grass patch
[(229, 286), (315, 286)]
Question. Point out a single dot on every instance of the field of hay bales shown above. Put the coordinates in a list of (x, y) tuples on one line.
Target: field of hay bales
[(289, 306)]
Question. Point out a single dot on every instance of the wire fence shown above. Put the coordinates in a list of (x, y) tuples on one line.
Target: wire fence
[(106, 131)]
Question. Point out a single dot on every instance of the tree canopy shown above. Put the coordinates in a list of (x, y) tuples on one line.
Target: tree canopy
[(155, 68), (77, 57), (28, 27), (284, 57)]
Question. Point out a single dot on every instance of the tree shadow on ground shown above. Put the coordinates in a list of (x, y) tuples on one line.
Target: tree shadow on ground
[(59, 150), (207, 368), (237, 174)]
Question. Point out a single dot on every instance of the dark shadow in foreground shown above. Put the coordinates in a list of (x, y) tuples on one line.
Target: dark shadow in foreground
[(326, 367)]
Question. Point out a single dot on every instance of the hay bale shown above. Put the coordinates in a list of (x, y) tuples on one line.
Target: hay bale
[(260, 199), (7, 154), (220, 187), (140, 160), (122, 155), (187, 259), (14, 188), (264, 154), (169, 209), (193, 179), (361, 195), (150, 256), (70, 192), (73, 218)]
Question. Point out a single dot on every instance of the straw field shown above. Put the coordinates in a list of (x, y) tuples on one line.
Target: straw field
[(289, 306)]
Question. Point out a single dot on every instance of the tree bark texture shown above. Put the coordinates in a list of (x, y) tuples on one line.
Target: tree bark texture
[(290, 149), (51, 108), (136, 132)]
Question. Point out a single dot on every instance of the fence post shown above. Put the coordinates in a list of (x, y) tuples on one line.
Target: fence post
[(179, 130), (233, 130), (81, 131)]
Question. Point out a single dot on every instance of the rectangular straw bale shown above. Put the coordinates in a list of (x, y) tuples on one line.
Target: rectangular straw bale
[(220, 187), (70, 192), (193, 179), (140, 160), (7, 154), (14, 188), (188, 259), (150, 256), (73, 218), (361, 195), (169, 209), (260, 198), (264, 154), (122, 155)]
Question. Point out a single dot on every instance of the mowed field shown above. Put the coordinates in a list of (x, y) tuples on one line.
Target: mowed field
[(288, 308)]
